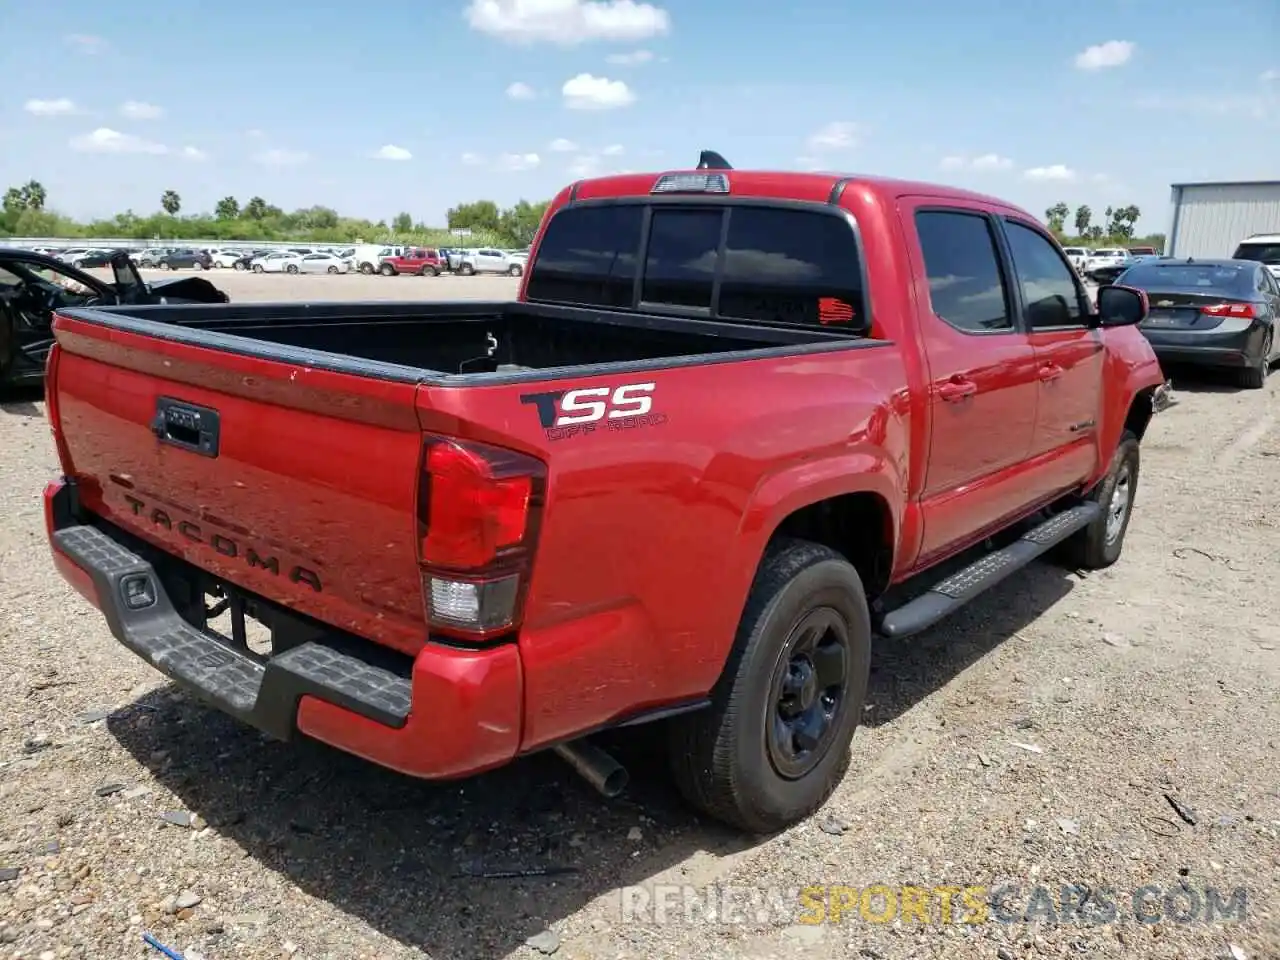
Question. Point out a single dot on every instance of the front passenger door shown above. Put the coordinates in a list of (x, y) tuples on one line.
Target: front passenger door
[(1055, 311)]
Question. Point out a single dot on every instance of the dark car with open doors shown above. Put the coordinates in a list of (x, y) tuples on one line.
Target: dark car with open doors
[(1220, 313), (33, 286)]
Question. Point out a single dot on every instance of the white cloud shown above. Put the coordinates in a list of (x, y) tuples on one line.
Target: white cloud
[(50, 108), (1113, 53), (1057, 172), (106, 140), (585, 165), (279, 157), (633, 59), (518, 162), (1267, 76), (613, 150), (86, 42), (837, 135), (985, 161), (561, 145), (472, 159), (567, 22), (392, 152), (586, 92), (521, 91), (137, 110), (194, 153)]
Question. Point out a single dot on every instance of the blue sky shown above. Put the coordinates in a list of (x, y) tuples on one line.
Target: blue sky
[(1096, 101)]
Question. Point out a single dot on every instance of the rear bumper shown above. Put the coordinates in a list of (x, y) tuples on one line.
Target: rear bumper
[(1238, 347), (448, 713)]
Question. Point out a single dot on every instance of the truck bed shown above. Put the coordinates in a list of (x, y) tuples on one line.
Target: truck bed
[(489, 342)]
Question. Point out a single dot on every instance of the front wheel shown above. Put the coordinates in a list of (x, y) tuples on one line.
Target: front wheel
[(198, 265), (366, 269), (387, 270), (1099, 544), (257, 268), (467, 270), (164, 265), (333, 269), (291, 268), (774, 743), (514, 270), (239, 266)]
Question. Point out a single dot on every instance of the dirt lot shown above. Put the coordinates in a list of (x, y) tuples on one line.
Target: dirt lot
[(1032, 739)]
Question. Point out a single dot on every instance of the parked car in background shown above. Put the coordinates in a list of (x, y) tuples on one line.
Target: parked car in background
[(33, 286), (185, 258), (418, 261), (1221, 313), (247, 257), (367, 257), (92, 258), (488, 260), (1143, 251), (1106, 257), (279, 261), (320, 263), (226, 259), (1077, 256), (1263, 248), (150, 257)]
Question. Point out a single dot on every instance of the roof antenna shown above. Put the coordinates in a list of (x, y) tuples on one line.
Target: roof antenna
[(710, 160)]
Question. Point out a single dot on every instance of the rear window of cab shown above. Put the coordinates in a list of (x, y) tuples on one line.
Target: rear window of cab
[(761, 263)]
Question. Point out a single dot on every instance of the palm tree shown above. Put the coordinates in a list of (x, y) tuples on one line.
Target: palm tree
[(171, 202), (34, 194)]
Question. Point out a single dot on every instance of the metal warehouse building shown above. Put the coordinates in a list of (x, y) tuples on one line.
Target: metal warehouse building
[(1209, 219)]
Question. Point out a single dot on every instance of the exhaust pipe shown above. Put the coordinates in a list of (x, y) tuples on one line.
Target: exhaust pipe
[(595, 766)]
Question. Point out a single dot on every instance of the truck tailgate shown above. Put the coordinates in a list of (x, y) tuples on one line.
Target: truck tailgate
[(292, 482)]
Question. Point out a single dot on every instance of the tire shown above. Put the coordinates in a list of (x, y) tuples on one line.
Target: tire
[(291, 268), (366, 269), (239, 266), (332, 270), (514, 270), (1254, 377), (1099, 545), (387, 270), (164, 265), (198, 265), (257, 268), (726, 759), (467, 270), (78, 264)]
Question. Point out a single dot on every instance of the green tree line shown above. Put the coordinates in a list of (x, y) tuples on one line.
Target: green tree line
[(26, 213), (1116, 229)]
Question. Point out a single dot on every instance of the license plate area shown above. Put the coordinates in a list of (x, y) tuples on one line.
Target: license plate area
[(1170, 318), (235, 619)]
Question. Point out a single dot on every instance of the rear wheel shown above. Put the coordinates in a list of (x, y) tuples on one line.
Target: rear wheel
[(291, 268), (164, 265), (333, 269), (198, 265), (257, 268), (239, 266), (774, 743), (1254, 376), (514, 270), (467, 270), (366, 268), (387, 270)]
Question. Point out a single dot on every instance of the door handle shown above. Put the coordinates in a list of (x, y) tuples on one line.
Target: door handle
[(1050, 371), (954, 391)]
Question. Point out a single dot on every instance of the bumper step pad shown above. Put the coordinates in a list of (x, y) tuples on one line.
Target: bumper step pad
[(262, 694)]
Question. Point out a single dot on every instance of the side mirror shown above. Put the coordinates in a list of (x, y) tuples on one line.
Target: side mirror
[(1121, 306)]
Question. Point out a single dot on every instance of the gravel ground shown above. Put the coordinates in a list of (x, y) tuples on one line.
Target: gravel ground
[(1033, 738)]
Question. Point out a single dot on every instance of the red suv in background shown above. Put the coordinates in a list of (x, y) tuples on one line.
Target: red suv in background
[(415, 260)]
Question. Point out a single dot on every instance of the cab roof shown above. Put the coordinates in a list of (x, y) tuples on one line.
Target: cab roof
[(785, 185)]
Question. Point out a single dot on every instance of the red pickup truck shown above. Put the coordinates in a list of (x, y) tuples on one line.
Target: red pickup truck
[(735, 425)]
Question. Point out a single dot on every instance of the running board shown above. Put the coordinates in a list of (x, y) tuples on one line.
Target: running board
[(945, 598)]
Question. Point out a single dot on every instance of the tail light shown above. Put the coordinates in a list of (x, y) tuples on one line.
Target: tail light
[(479, 509), (1245, 310)]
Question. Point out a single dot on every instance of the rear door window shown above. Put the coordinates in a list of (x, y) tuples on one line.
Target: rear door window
[(791, 266)]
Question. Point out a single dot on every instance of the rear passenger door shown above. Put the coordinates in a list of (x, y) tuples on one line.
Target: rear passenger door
[(982, 378), (1069, 360)]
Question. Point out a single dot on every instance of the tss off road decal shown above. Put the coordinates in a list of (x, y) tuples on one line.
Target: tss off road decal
[(567, 413)]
